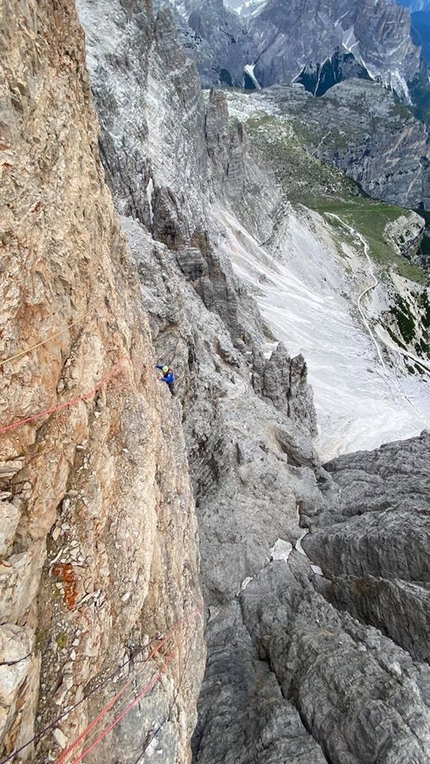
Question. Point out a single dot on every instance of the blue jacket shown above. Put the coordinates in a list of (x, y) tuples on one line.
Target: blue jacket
[(169, 377)]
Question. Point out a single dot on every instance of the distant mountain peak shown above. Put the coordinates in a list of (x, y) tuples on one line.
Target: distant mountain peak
[(245, 8), (280, 39)]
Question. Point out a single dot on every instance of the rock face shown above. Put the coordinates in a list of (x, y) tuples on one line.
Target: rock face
[(284, 381), (214, 36), (390, 159), (372, 546), (312, 649), (93, 471), (341, 66), (376, 32), (360, 128), (348, 682), (201, 318), (99, 534), (281, 39), (268, 695), (242, 693), (405, 234)]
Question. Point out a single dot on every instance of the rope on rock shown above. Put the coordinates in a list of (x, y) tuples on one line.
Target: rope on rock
[(69, 709), (144, 692), (66, 404), (155, 732), (40, 735), (65, 756), (43, 342)]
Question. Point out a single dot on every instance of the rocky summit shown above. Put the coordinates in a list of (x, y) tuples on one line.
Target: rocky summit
[(189, 577), (369, 112), (265, 43)]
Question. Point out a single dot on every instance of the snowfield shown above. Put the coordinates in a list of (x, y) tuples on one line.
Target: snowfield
[(363, 395)]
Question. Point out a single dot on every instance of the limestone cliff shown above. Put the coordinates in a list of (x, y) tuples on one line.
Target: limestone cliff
[(99, 535), (375, 140), (98, 532), (357, 127), (274, 41), (214, 37), (370, 544), (268, 696), (202, 319), (374, 32)]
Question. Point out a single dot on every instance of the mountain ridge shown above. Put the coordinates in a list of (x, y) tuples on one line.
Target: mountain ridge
[(279, 45)]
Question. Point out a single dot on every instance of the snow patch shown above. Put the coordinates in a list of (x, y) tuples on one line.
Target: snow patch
[(337, 22), (317, 570), (281, 550), (245, 583), (349, 40), (298, 544), (248, 8), (398, 83), (249, 69), (149, 195)]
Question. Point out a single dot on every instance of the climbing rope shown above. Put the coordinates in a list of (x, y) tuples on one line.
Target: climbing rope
[(69, 709), (66, 404), (49, 727), (95, 731), (139, 697), (43, 342), (168, 659), (170, 708), (65, 756)]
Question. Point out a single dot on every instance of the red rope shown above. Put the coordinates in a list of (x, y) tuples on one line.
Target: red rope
[(69, 709), (98, 687), (65, 755), (117, 720), (64, 405)]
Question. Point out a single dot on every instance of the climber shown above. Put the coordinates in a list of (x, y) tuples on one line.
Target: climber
[(168, 377)]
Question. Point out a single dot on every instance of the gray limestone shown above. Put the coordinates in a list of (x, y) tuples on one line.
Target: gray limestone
[(405, 234), (281, 39), (374, 543), (287, 41), (362, 697), (214, 36), (291, 678), (360, 128), (242, 694), (376, 141)]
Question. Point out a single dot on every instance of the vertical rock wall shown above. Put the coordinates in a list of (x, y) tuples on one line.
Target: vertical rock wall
[(251, 465), (288, 678), (98, 541)]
